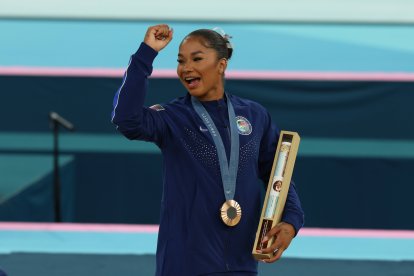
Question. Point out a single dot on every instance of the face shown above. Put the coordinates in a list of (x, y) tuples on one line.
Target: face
[(200, 71)]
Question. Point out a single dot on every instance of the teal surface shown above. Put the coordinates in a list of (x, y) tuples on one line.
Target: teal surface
[(73, 142), (77, 242), (18, 172), (364, 148), (351, 248), (285, 47), (316, 147), (340, 248)]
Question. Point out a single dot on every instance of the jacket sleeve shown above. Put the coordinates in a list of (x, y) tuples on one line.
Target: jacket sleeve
[(129, 115), (292, 213)]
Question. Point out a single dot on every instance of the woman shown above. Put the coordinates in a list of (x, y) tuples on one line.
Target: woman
[(215, 146)]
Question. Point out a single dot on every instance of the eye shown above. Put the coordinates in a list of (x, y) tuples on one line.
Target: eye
[(180, 61), (197, 58)]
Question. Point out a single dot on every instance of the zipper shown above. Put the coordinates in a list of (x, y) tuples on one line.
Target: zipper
[(225, 122), (222, 114)]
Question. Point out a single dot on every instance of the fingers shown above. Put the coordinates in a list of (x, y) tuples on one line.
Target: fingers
[(275, 247), (276, 256), (283, 233), (276, 250), (169, 36), (273, 232), (162, 32), (158, 30), (158, 36)]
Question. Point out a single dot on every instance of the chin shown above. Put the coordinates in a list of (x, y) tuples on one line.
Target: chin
[(196, 93)]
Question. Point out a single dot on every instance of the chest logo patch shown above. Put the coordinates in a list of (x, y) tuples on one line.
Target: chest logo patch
[(243, 125), (157, 107)]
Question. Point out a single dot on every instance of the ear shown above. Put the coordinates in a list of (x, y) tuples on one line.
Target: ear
[(222, 66)]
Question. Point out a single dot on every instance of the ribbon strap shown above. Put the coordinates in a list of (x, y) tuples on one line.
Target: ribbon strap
[(228, 170)]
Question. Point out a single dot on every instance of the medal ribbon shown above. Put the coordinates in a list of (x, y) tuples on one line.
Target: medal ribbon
[(228, 170)]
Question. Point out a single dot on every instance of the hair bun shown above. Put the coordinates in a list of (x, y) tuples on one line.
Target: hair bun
[(226, 38)]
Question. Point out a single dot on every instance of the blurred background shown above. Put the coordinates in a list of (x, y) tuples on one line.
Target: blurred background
[(340, 73)]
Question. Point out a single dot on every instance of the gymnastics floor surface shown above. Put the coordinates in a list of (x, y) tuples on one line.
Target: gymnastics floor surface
[(95, 249)]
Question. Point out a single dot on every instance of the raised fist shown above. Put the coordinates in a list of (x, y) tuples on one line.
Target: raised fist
[(158, 36)]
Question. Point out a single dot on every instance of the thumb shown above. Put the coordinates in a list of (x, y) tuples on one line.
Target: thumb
[(162, 41), (169, 37)]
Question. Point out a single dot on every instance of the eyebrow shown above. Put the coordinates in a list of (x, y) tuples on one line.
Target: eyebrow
[(193, 53)]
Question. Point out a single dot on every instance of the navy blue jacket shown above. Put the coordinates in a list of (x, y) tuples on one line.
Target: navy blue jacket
[(192, 239)]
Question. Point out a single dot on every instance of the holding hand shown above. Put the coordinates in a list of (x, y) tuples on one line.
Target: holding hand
[(158, 36), (284, 233)]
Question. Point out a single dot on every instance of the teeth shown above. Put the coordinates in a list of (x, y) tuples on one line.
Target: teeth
[(189, 79)]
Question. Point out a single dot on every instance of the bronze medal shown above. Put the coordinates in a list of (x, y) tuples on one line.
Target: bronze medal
[(230, 212)]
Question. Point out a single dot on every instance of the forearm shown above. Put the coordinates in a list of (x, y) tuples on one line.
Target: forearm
[(128, 103), (293, 212)]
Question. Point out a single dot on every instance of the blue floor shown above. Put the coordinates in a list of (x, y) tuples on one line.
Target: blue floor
[(85, 253), (308, 247)]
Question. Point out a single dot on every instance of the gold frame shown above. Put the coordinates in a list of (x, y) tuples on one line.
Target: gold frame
[(290, 163)]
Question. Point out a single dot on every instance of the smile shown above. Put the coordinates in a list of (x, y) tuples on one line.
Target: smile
[(192, 81), (189, 80)]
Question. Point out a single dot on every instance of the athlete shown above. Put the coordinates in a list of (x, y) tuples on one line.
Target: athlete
[(215, 147)]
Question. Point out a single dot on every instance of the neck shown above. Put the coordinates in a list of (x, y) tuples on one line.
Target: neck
[(214, 97)]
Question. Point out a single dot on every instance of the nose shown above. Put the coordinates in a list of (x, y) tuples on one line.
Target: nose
[(187, 67)]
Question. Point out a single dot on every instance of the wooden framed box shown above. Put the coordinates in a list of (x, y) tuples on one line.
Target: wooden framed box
[(277, 190)]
